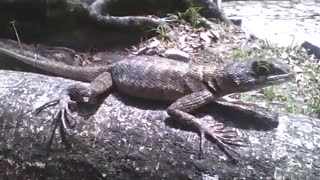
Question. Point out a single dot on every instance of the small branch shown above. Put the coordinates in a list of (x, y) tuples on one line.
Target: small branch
[(17, 35)]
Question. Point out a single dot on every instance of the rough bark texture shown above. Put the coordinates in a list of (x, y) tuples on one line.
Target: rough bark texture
[(131, 139), (63, 15), (60, 24)]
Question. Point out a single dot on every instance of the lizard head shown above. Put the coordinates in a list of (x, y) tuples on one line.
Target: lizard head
[(242, 76)]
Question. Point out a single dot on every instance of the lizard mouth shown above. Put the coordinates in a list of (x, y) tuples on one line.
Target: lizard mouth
[(264, 81), (276, 79)]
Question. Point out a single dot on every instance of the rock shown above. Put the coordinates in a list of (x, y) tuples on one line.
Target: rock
[(177, 55), (282, 23), (312, 49), (204, 36), (154, 43), (127, 138), (237, 22)]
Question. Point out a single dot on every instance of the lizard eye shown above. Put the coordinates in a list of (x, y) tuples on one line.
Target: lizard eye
[(261, 68)]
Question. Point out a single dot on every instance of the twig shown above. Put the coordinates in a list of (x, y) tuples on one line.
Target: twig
[(17, 35)]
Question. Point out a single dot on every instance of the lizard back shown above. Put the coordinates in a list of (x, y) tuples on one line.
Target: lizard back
[(156, 78)]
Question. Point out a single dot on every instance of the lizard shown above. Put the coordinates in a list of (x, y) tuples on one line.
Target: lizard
[(187, 86)]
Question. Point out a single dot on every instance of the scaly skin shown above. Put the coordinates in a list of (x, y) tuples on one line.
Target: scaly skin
[(188, 86)]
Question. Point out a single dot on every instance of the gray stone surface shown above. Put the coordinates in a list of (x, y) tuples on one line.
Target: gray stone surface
[(177, 55), (279, 22), (133, 139)]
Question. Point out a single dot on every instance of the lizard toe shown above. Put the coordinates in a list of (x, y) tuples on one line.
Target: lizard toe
[(223, 135), (64, 118), (68, 117), (46, 105), (224, 138)]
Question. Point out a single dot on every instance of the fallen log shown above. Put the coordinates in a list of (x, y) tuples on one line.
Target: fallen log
[(131, 139)]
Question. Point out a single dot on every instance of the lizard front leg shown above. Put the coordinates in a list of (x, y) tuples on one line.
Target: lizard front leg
[(79, 92), (180, 109)]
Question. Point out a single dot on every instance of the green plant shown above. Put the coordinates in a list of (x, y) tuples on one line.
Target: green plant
[(161, 31), (314, 106), (240, 54), (191, 15), (274, 94), (270, 93), (290, 107), (314, 93), (246, 98)]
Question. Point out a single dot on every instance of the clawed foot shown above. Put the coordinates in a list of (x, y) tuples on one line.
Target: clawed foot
[(222, 136), (64, 118)]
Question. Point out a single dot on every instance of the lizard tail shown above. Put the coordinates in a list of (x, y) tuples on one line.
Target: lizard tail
[(86, 74)]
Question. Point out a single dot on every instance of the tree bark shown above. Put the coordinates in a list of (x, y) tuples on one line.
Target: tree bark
[(129, 138), (134, 14)]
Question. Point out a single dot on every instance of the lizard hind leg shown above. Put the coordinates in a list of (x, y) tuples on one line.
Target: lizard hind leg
[(64, 118), (77, 92), (64, 101)]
